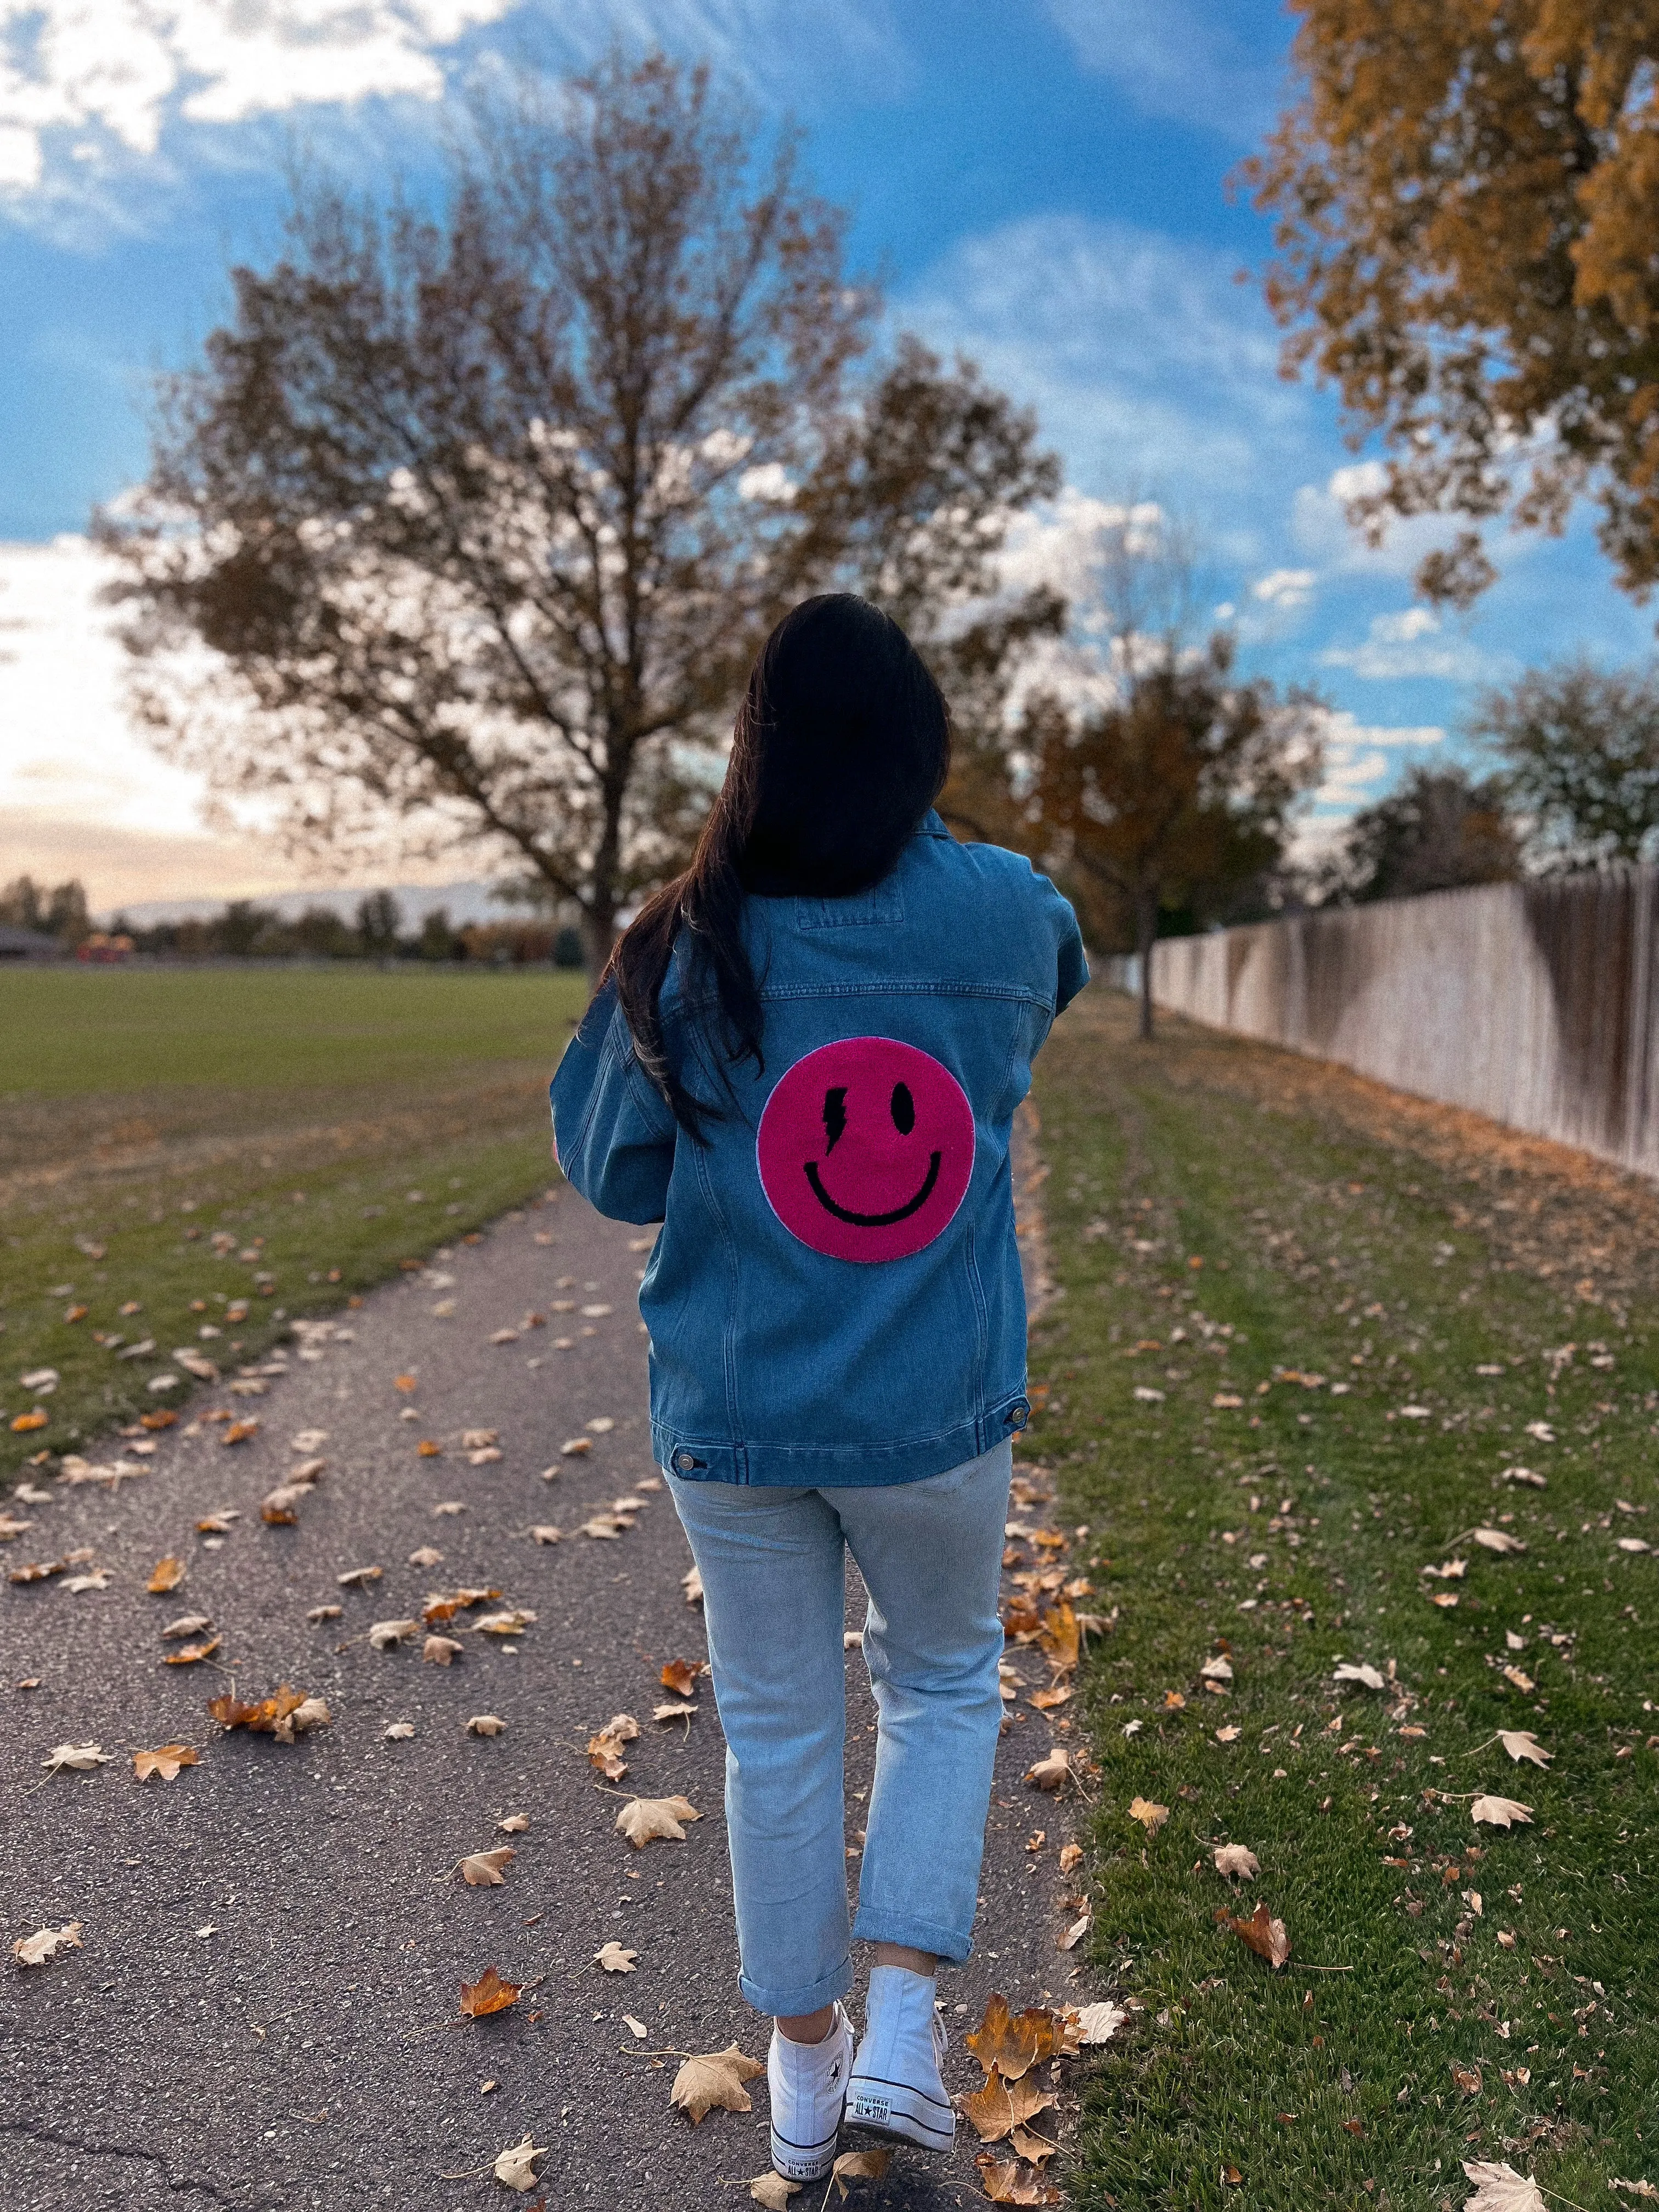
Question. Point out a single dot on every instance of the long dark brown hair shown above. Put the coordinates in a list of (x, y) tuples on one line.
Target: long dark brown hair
[(841, 743)]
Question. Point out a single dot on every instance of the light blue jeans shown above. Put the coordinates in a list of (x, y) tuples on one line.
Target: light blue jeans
[(773, 1567)]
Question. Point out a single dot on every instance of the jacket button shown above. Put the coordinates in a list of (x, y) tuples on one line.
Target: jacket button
[(1020, 1413), (683, 1463)]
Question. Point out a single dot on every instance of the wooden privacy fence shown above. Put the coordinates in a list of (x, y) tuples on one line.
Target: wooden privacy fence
[(1532, 1002)]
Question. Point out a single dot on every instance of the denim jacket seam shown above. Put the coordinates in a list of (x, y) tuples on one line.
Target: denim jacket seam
[(683, 1438), (733, 1279)]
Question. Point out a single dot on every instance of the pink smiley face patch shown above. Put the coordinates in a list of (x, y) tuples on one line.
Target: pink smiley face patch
[(866, 1149)]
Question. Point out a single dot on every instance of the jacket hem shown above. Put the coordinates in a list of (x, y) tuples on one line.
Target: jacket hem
[(838, 1465)]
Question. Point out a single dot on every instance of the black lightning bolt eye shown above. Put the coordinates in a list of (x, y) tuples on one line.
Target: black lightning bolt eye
[(834, 1115), (903, 1107)]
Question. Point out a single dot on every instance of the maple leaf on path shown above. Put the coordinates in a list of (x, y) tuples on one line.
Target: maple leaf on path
[(714, 2078), (167, 1575), (680, 1675), (514, 1824), (483, 1869), (998, 2105), (858, 2166), (188, 1624), (1264, 1934), (386, 1635), (614, 1959), (646, 1819), (1238, 1861), (75, 1757), (165, 1762), (678, 1711), (1499, 2188), (489, 1993), (515, 2166), (1013, 2044), (1521, 1743), (441, 1650), (486, 1724), (46, 1943), (1051, 1772), (1006, 2181), (773, 2191), (188, 1653)]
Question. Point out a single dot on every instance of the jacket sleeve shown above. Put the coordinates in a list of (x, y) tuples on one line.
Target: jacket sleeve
[(1059, 929), (613, 1134)]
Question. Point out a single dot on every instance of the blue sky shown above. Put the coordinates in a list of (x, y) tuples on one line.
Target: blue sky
[(1043, 182)]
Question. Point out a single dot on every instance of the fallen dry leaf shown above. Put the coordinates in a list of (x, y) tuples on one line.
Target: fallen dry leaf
[(1012, 2045), (680, 1675), (489, 1993), (1236, 1860), (1499, 2188), (1046, 1700), (1634, 2188), (46, 1943), (386, 1635), (515, 2167), (1264, 1934), (441, 1650), (1372, 1678), (646, 1819), (997, 2104), (1006, 2181), (1051, 1772), (713, 2078), (486, 1724), (167, 1575), (319, 1613), (398, 1731), (771, 2190), (187, 1624), (483, 1869), (1098, 2023), (635, 2027), (614, 1959), (1218, 1669), (359, 1577), (1071, 1937), (283, 1716), (1498, 1811), (239, 1432), (515, 1824), (427, 1555), (545, 1533), (691, 1583), (1152, 1817), (1229, 1734), (1518, 1677), (1497, 1540), (165, 1762), (512, 1621), (1467, 2078), (75, 1759), (605, 1746), (188, 1653), (858, 2166), (1521, 1743)]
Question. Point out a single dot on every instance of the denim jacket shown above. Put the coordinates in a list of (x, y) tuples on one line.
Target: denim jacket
[(836, 1296)]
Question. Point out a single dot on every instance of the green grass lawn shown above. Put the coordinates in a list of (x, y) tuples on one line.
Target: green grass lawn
[(1453, 1992), (187, 1143)]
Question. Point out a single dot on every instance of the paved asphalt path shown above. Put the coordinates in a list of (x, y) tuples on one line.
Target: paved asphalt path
[(306, 2051)]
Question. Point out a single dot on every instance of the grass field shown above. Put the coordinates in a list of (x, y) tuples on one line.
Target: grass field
[(320, 1124), (1304, 1330)]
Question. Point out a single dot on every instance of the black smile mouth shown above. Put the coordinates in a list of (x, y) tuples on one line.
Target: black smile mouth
[(875, 1220)]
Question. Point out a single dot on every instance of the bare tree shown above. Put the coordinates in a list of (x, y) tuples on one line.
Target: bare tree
[(1579, 749), (481, 517)]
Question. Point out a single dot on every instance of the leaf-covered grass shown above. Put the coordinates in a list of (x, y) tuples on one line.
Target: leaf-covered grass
[(326, 1125), (1209, 1242)]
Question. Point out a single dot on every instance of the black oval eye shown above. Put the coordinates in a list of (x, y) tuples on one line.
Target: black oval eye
[(904, 1109)]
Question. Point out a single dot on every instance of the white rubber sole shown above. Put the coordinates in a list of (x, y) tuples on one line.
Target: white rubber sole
[(898, 2112), (797, 2161)]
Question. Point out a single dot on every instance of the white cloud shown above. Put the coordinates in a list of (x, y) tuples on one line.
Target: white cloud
[(1359, 755), (1176, 59), (1148, 365), (1415, 643), (88, 84), (1285, 587)]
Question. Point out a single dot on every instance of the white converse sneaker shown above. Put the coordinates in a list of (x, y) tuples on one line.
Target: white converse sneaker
[(897, 2094), (808, 2087)]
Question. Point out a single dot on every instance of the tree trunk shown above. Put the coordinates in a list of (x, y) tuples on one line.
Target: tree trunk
[(1145, 937), (598, 927)]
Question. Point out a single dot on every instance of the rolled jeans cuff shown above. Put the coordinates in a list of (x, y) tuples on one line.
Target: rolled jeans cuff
[(872, 1925), (791, 2004)]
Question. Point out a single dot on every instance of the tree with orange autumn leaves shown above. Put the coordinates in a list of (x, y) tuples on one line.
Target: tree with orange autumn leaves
[(1467, 194)]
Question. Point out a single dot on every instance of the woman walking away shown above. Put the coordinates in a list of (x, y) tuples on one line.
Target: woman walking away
[(804, 1059)]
